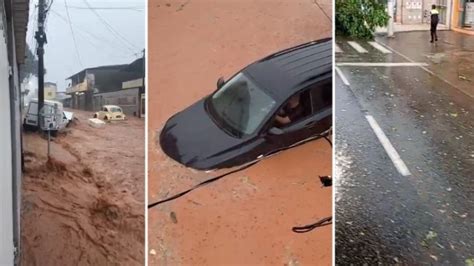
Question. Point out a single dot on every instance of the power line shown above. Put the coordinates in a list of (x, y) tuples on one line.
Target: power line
[(89, 34), (136, 8), (111, 29), (72, 33)]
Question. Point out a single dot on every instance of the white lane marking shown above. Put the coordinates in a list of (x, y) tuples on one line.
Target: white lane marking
[(427, 70), (381, 64), (341, 75), (392, 153), (338, 49), (357, 47), (380, 48)]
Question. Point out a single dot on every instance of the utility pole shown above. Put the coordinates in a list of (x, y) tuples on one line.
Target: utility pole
[(142, 90), (391, 10), (40, 37)]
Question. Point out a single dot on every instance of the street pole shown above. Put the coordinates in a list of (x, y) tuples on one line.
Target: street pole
[(40, 37), (142, 91), (390, 19)]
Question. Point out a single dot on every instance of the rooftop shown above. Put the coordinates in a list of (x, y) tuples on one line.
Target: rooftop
[(19, 10)]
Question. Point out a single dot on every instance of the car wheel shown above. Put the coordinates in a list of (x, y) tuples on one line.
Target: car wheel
[(95, 115), (106, 118)]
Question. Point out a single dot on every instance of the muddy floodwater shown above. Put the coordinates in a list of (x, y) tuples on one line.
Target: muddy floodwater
[(245, 218), (84, 206)]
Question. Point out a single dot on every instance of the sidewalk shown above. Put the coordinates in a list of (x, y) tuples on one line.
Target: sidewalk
[(407, 28), (451, 59)]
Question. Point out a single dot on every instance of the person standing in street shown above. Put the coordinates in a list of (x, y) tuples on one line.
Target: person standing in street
[(434, 23)]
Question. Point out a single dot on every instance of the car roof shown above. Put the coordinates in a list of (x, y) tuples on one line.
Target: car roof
[(48, 102), (286, 72)]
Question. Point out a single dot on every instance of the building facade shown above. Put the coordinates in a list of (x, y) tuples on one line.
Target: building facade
[(13, 25), (50, 90), (120, 85), (417, 12), (463, 16)]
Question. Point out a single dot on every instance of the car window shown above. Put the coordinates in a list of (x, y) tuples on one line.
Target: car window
[(321, 95), (115, 109), (297, 113), (241, 104), (33, 108), (105, 109)]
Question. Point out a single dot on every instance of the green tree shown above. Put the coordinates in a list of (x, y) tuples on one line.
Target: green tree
[(30, 66), (359, 18)]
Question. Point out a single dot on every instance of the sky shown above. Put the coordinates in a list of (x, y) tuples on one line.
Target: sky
[(117, 37)]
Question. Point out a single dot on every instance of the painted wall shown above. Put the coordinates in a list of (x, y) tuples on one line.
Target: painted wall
[(50, 90), (127, 99), (6, 155)]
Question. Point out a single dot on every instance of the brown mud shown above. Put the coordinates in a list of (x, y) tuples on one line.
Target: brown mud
[(245, 218), (85, 204)]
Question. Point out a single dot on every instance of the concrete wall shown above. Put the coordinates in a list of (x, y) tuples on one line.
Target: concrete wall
[(6, 155), (50, 91), (418, 11), (127, 99)]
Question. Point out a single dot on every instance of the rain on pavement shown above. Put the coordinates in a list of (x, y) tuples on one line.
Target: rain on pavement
[(425, 110)]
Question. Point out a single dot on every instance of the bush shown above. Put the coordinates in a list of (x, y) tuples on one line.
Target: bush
[(359, 18)]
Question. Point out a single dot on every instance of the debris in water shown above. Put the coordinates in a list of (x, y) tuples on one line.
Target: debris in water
[(173, 217), (429, 238)]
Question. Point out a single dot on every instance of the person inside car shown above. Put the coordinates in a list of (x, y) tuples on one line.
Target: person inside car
[(291, 112)]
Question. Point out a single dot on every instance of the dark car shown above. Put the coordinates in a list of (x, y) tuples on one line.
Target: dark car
[(250, 114)]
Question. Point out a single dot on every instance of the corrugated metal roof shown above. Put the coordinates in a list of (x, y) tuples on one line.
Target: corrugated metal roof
[(20, 10)]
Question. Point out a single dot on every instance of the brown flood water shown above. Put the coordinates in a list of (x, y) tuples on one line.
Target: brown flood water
[(85, 206), (245, 218)]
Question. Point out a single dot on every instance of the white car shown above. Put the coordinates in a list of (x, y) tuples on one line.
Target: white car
[(110, 113), (55, 116)]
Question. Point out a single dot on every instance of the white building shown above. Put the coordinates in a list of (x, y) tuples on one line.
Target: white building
[(13, 24)]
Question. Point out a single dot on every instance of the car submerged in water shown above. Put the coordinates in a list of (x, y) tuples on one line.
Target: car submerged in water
[(274, 103)]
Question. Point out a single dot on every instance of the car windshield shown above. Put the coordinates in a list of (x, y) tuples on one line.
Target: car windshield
[(115, 110), (241, 104)]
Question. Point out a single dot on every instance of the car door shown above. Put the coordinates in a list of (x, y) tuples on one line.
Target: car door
[(321, 102), (317, 120), (103, 113)]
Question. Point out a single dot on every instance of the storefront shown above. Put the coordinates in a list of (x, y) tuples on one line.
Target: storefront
[(463, 15), (418, 11)]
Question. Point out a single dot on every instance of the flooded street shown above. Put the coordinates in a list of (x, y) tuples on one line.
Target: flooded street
[(406, 198), (245, 218), (85, 206)]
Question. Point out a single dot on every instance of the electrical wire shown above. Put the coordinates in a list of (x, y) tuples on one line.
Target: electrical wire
[(72, 33), (309, 227), (138, 9), (93, 36), (213, 179), (111, 29)]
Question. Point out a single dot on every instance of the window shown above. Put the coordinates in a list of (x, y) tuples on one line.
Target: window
[(295, 109), (241, 105), (321, 95), (115, 110)]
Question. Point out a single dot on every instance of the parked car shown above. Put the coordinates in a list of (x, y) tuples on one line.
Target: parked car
[(238, 122), (56, 117), (110, 113)]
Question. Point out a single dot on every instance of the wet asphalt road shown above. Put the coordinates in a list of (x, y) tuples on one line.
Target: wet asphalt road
[(382, 216)]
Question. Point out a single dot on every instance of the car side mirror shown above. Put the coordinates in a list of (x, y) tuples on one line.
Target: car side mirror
[(220, 82), (276, 131)]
